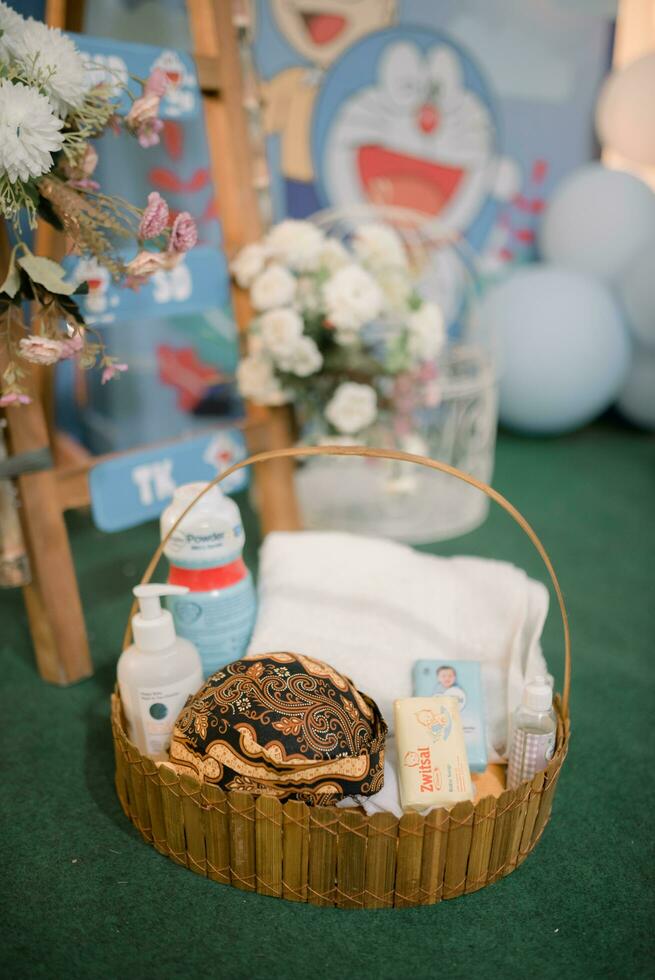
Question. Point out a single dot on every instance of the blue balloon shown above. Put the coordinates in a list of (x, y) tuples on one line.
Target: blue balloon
[(637, 397), (563, 348)]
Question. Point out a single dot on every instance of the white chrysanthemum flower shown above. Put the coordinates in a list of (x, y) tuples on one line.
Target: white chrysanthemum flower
[(426, 332), (352, 298), (353, 407), (379, 247), (275, 286), (29, 132), (52, 60), (248, 264), (334, 255), (10, 25), (280, 330), (297, 244), (303, 359), (257, 381)]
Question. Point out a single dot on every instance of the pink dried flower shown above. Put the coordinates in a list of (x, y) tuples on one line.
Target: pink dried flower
[(143, 110), (14, 398), (41, 350), (145, 263), (155, 217), (157, 83), (148, 133), (184, 233), (89, 161), (85, 184), (111, 371), (72, 346)]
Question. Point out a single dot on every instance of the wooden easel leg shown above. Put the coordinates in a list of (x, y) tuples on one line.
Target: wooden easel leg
[(53, 603)]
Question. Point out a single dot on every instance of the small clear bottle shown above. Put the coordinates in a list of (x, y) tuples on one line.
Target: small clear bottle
[(534, 727)]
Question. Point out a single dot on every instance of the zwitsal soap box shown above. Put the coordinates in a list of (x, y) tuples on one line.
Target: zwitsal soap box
[(432, 766)]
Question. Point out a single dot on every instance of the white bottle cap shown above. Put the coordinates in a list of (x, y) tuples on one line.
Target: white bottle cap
[(153, 626), (209, 535), (538, 694)]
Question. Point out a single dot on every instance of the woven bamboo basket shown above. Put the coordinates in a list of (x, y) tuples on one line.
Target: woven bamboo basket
[(332, 856)]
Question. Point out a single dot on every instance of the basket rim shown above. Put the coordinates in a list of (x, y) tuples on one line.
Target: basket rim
[(562, 736)]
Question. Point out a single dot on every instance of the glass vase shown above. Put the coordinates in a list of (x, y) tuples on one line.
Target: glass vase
[(449, 414)]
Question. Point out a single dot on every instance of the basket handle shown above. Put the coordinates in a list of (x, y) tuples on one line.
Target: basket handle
[(391, 454)]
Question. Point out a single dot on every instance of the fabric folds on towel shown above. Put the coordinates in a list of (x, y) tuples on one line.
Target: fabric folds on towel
[(371, 608)]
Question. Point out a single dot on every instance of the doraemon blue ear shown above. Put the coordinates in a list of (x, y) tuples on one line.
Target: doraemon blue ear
[(444, 68), (402, 73)]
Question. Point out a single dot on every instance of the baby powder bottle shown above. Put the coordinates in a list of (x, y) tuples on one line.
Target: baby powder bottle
[(156, 674), (205, 555), (533, 732)]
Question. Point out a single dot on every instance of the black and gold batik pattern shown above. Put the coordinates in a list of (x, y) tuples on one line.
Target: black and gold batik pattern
[(284, 725)]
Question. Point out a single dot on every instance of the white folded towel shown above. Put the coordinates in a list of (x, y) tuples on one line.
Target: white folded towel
[(371, 608)]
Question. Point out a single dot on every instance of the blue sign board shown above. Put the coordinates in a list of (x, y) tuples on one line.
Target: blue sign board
[(136, 487)]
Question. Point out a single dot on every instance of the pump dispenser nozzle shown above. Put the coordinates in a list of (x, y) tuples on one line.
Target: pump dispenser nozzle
[(153, 626)]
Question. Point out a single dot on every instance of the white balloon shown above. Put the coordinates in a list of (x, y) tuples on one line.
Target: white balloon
[(563, 348), (637, 398), (637, 291), (625, 114), (597, 220)]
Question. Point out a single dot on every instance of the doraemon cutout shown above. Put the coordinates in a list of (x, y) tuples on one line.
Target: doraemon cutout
[(319, 31), (405, 119)]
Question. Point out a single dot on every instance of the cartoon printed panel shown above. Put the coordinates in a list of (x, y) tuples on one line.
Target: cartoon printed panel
[(199, 282), (181, 377), (116, 61), (467, 111), (176, 332)]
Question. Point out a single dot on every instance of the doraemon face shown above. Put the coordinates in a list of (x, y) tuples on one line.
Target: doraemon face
[(171, 63), (419, 137), (321, 30)]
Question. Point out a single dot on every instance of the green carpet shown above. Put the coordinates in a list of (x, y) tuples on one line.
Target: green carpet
[(83, 896)]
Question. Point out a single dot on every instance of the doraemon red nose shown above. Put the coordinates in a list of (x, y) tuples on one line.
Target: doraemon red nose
[(428, 118)]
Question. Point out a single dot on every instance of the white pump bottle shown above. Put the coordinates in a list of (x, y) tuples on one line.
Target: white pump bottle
[(157, 673)]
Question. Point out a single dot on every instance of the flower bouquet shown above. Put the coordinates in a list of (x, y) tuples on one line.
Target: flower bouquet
[(340, 330), (51, 110)]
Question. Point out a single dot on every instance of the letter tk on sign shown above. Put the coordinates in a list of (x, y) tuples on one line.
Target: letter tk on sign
[(136, 487)]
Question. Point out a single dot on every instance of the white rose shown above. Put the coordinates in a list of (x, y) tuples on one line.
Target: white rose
[(352, 298), (397, 287), (353, 407), (308, 297), (304, 359), (426, 332), (248, 264), (275, 286), (379, 247), (280, 330), (296, 243), (257, 381), (333, 255)]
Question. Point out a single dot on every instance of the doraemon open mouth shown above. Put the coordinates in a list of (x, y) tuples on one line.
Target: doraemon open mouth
[(323, 28), (404, 181)]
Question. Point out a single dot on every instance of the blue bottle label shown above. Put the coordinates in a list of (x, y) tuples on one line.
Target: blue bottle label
[(219, 623)]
